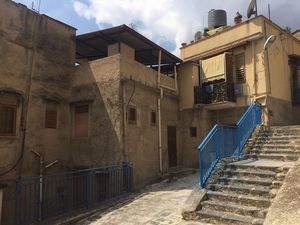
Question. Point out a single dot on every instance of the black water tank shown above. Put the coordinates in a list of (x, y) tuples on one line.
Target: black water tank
[(217, 18)]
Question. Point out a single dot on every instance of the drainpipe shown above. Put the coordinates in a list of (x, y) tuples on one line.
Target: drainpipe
[(159, 113), (267, 66), (254, 69), (124, 121), (175, 77), (42, 169)]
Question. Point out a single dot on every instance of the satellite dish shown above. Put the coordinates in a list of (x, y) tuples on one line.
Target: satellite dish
[(269, 41), (252, 8)]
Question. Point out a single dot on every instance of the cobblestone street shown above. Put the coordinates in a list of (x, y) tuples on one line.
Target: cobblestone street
[(159, 204)]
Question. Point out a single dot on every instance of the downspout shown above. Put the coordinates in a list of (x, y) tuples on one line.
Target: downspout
[(124, 121), (159, 113), (267, 66), (254, 69), (27, 96)]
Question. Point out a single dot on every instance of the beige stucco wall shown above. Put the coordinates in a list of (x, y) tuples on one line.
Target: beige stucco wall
[(258, 84), (52, 65), (188, 78), (230, 35), (98, 82), (51, 79)]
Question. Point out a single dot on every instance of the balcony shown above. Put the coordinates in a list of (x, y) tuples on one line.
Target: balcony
[(215, 96)]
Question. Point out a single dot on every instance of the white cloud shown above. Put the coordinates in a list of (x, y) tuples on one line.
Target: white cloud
[(174, 21)]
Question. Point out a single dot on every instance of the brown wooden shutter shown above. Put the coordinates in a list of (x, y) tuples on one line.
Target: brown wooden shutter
[(81, 121), (153, 118), (240, 68), (51, 116), (8, 120), (132, 115)]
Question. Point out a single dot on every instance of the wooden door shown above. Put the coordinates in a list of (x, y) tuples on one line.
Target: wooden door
[(172, 146)]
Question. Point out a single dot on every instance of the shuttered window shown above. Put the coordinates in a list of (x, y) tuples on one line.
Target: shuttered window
[(193, 131), (153, 118), (51, 115), (8, 120), (240, 68), (132, 117), (81, 121)]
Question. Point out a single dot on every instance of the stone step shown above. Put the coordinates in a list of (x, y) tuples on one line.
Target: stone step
[(277, 138), (291, 127), (249, 173), (274, 151), (245, 190), (282, 157), (271, 142), (250, 181), (238, 167), (233, 208), (275, 146), (215, 217), (280, 131), (239, 199)]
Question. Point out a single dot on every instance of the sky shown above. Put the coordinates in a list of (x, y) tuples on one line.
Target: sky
[(166, 22)]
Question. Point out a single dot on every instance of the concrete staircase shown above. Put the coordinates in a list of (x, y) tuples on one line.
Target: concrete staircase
[(241, 191)]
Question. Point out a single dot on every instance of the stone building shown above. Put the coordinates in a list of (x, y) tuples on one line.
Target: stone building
[(111, 96), (233, 60), (90, 100)]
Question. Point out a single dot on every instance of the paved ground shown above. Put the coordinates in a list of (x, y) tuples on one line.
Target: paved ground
[(159, 204)]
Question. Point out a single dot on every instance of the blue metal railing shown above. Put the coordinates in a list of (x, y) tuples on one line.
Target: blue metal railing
[(225, 141)]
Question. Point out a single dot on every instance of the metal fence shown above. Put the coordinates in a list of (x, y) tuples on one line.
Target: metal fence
[(40, 198), (214, 93), (224, 141)]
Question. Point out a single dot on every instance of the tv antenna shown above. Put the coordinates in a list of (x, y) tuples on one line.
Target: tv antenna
[(39, 6), (252, 8)]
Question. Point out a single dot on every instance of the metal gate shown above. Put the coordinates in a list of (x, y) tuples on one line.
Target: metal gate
[(40, 198)]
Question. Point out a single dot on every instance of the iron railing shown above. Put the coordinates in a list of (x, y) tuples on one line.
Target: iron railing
[(214, 93), (40, 198), (224, 141)]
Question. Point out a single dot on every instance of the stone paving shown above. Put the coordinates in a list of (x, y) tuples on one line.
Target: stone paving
[(158, 204)]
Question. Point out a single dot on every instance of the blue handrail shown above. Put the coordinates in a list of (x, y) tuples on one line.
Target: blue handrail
[(225, 141)]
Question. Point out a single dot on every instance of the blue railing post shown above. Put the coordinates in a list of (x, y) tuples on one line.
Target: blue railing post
[(200, 166), (18, 214)]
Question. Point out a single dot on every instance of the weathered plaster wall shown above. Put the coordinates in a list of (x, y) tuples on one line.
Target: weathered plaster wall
[(98, 82), (49, 58), (142, 137), (201, 119), (220, 39), (51, 68), (188, 78)]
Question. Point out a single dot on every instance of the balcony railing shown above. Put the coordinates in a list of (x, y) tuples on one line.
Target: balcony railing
[(214, 93)]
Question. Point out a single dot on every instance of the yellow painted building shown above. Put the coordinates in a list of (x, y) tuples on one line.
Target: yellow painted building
[(225, 72)]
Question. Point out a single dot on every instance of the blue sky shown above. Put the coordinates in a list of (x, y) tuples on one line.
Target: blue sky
[(166, 22)]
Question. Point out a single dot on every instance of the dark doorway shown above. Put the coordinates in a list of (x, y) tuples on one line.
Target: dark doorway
[(172, 149)]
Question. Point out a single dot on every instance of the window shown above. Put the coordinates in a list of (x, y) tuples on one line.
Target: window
[(81, 121), (153, 118), (8, 119), (240, 68), (193, 131), (132, 115), (51, 115)]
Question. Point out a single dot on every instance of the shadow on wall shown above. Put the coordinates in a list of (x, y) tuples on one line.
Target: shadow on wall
[(97, 84)]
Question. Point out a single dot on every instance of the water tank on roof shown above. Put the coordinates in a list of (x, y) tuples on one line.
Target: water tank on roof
[(217, 18)]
